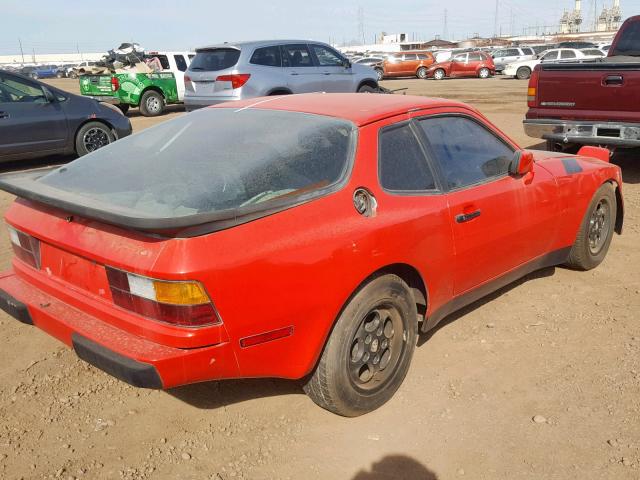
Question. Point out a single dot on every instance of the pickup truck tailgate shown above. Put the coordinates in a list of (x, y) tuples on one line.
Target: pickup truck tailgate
[(95, 85), (593, 91)]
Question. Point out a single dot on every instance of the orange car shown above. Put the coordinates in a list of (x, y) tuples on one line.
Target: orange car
[(405, 64)]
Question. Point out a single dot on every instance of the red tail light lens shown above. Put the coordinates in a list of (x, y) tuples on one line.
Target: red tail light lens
[(532, 90), (237, 80), (178, 303), (25, 247), (188, 84), (115, 84)]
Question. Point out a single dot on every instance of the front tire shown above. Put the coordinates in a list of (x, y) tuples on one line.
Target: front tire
[(596, 230), (151, 104), (369, 350), (421, 73), (523, 73), (484, 73), (92, 136), (439, 74)]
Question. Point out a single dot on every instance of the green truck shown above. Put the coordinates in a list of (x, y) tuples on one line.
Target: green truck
[(151, 92)]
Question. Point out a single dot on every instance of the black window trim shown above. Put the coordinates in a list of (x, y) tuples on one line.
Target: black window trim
[(432, 156), (429, 163), (283, 46), (316, 62), (276, 45)]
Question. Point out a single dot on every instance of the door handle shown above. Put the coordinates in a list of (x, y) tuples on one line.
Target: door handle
[(4, 115), (465, 217), (295, 73), (613, 80), (326, 73)]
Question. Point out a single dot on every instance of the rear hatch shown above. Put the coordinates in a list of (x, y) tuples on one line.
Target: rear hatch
[(96, 85), (207, 66), (593, 90)]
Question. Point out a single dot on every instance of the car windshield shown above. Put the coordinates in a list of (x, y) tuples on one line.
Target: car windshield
[(209, 161)]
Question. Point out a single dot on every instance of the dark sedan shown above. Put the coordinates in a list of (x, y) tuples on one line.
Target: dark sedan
[(38, 120)]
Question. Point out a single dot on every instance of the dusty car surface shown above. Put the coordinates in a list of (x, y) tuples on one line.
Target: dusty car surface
[(304, 237), (405, 64), (470, 64)]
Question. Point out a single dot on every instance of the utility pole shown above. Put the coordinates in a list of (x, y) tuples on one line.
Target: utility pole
[(21, 52), (495, 21), (445, 29), (511, 26)]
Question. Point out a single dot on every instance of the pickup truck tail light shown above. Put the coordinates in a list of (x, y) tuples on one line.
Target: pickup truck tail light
[(25, 247), (532, 90), (181, 303), (115, 84), (237, 79)]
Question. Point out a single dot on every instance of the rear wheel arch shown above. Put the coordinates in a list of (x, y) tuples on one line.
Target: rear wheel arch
[(155, 89), (280, 91), (91, 120), (619, 207), (367, 83)]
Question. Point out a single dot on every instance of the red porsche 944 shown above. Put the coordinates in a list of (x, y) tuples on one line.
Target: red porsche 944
[(305, 237)]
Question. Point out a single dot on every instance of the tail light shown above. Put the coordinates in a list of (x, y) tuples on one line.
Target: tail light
[(237, 79), (532, 90), (188, 84), (25, 247), (183, 303), (115, 84)]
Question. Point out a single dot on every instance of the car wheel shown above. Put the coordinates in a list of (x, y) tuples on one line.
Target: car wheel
[(523, 73), (367, 89), (596, 230), (151, 104), (73, 74), (380, 73), (92, 136), (59, 75), (484, 73), (421, 73), (34, 75), (439, 74), (124, 108), (369, 350)]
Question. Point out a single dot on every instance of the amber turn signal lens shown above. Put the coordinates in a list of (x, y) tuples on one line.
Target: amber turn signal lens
[(180, 293)]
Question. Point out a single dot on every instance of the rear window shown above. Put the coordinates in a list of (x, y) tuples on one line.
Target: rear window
[(629, 41), (209, 161), (215, 59)]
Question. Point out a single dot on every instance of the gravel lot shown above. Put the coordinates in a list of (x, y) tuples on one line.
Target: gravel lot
[(562, 347)]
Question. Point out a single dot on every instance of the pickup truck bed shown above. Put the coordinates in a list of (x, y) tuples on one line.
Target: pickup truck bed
[(593, 102)]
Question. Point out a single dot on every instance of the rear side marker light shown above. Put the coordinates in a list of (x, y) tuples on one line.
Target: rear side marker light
[(237, 79), (115, 84), (181, 303), (266, 337), (25, 247)]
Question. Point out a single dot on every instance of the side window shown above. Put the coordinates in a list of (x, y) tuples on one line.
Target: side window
[(326, 57), (402, 164), (475, 57), (410, 56), (466, 151), (181, 63), (15, 90), (267, 56), (567, 54), (549, 56), (460, 58), (296, 56), (422, 56), (164, 61)]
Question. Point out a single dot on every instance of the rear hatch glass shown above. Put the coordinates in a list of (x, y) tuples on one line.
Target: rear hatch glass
[(213, 165), (215, 59)]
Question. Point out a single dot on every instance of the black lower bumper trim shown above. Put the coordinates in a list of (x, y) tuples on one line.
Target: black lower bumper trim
[(138, 374), (15, 308)]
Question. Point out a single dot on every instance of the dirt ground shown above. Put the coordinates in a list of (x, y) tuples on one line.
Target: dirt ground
[(561, 345)]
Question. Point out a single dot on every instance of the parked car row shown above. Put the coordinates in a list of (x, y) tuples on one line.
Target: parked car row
[(522, 69)]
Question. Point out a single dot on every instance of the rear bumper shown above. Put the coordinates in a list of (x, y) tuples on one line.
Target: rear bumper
[(194, 103), (129, 357), (105, 98), (584, 132)]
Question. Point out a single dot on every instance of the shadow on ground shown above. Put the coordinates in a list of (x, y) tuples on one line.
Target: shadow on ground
[(212, 395), (396, 467)]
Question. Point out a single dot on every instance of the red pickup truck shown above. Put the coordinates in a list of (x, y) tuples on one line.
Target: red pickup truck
[(593, 102)]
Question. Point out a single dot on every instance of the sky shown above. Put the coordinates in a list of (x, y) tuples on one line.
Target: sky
[(65, 26)]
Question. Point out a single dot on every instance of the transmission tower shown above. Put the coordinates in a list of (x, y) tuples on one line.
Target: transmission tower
[(361, 24), (495, 22), (445, 28)]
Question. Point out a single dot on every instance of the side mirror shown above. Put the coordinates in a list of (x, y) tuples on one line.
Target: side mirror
[(522, 163), (50, 97), (346, 63)]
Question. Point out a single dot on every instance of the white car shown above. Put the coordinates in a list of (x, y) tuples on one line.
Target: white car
[(522, 70)]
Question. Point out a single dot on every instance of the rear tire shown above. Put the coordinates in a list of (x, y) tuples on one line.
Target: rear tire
[(421, 73), (523, 73), (92, 136), (369, 350), (439, 74), (484, 73), (367, 89), (596, 230), (151, 104)]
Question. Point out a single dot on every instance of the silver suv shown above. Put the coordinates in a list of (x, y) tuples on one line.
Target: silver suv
[(505, 56), (228, 72)]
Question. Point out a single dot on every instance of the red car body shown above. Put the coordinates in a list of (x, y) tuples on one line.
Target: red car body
[(279, 282), (470, 64)]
